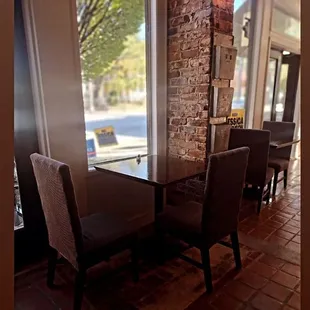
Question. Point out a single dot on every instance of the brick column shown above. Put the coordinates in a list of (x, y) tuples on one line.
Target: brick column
[(194, 28)]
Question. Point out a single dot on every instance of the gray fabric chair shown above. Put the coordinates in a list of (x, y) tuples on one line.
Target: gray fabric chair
[(279, 159), (203, 225), (82, 242), (258, 173)]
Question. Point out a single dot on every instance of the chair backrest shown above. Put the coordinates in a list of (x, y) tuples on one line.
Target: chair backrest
[(223, 193), (258, 141), (280, 131), (59, 206)]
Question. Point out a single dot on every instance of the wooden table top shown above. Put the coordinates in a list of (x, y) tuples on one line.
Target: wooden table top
[(155, 170), (282, 144)]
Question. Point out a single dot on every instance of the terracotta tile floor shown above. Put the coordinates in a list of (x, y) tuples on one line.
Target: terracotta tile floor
[(270, 278)]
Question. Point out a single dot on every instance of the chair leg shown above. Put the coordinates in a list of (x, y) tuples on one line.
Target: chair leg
[(260, 199), (268, 193), (275, 182), (160, 240), (205, 256), (79, 288), (285, 178), (236, 249), (135, 261), (52, 261)]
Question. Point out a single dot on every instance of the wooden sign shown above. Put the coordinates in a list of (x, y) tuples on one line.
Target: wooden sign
[(222, 100), (219, 137), (225, 61), (105, 136)]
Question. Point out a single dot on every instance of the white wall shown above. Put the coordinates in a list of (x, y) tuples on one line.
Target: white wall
[(7, 155), (55, 67)]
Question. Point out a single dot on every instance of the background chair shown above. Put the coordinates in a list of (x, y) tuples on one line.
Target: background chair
[(203, 225), (279, 159), (84, 242), (258, 173)]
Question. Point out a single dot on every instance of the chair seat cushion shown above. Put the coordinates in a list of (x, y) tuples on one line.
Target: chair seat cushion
[(269, 174), (183, 221), (103, 230), (278, 164)]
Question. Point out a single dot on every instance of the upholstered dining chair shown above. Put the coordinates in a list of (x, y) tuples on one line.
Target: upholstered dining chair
[(203, 225), (279, 158), (258, 173), (82, 242)]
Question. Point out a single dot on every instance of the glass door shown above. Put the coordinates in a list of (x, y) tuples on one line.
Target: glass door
[(281, 86), (274, 67)]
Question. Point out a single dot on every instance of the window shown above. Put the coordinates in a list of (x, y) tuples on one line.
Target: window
[(112, 40), (241, 31), (285, 24)]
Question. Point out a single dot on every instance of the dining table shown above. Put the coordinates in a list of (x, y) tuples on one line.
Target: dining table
[(158, 171), (279, 144)]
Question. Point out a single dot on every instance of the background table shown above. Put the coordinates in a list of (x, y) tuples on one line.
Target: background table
[(282, 144)]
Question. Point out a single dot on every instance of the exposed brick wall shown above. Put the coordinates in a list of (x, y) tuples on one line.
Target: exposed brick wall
[(189, 74), (195, 27)]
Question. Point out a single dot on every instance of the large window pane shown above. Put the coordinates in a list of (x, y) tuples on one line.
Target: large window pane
[(285, 24), (113, 60), (242, 16), (280, 104)]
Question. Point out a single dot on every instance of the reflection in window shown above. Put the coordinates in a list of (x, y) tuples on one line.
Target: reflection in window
[(18, 214), (113, 59), (280, 104), (270, 88), (285, 24), (241, 34)]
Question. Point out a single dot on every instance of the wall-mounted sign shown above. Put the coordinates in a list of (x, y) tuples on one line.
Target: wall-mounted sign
[(219, 137), (222, 100), (236, 118), (225, 61), (105, 136)]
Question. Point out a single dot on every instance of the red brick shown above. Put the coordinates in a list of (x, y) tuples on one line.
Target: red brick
[(264, 302), (294, 223), (273, 224), (293, 246), (277, 240), (260, 234), (252, 279), (272, 261), (279, 219), (289, 210), (266, 228), (239, 290), (291, 269), (285, 279), (225, 302), (277, 291), (291, 229), (263, 270), (190, 53), (284, 234), (295, 301)]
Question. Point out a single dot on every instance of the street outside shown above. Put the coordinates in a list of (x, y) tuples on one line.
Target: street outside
[(130, 127)]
